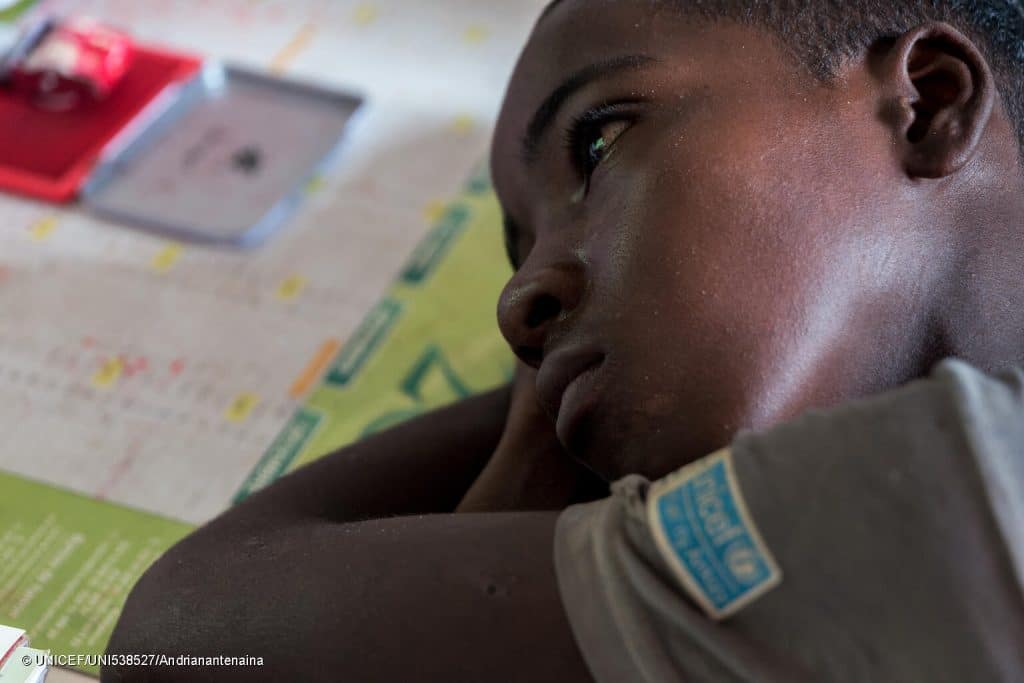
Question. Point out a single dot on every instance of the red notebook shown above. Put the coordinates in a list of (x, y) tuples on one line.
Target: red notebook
[(49, 154)]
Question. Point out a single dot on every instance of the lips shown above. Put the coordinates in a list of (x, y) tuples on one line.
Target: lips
[(560, 370)]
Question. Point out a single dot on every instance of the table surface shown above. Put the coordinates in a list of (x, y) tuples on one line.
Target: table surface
[(128, 362)]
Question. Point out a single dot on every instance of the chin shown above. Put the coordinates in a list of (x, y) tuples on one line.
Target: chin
[(614, 446), (597, 446)]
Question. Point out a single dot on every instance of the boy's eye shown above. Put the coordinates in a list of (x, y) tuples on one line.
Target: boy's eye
[(591, 137), (601, 142)]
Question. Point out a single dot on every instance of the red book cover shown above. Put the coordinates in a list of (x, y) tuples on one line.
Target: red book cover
[(49, 154)]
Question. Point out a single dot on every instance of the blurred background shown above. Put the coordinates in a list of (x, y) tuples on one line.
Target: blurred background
[(148, 382)]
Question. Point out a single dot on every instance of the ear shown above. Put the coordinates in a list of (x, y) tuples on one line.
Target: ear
[(945, 94)]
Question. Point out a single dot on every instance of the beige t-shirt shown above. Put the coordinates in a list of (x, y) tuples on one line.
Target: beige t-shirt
[(881, 541)]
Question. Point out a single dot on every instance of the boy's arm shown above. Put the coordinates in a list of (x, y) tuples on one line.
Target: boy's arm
[(435, 598), (423, 466), (294, 575)]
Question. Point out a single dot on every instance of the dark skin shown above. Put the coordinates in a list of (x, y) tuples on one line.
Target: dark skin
[(765, 233), (344, 570), (751, 244)]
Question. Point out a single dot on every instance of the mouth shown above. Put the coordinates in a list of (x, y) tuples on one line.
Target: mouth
[(564, 383)]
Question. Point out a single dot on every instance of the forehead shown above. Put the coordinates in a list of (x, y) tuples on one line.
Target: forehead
[(570, 36), (573, 35)]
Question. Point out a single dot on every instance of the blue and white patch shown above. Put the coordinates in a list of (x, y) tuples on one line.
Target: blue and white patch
[(703, 529)]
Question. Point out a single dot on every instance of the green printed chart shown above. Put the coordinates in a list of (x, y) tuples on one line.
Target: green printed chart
[(432, 340), (67, 562)]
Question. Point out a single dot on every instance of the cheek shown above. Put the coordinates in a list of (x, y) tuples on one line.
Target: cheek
[(731, 267), (708, 230)]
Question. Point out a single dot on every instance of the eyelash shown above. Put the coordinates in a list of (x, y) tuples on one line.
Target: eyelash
[(583, 130)]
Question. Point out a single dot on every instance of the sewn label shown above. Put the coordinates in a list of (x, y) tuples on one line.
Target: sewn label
[(703, 529)]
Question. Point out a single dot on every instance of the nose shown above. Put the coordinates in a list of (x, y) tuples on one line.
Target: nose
[(532, 302)]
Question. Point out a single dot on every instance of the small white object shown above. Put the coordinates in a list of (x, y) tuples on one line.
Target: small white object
[(10, 639), (25, 665)]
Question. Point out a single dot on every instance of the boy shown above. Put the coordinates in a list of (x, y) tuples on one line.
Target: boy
[(722, 214)]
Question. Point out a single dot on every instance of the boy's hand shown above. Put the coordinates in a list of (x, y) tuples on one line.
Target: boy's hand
[(529, 470)]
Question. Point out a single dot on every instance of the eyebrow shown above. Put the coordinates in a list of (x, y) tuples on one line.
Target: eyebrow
[(548, 110)]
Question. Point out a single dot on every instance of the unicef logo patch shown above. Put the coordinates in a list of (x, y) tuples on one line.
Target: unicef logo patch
[(743, 561), (702, 527)]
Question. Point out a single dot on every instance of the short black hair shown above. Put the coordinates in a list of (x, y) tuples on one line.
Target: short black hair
[(822, 34)]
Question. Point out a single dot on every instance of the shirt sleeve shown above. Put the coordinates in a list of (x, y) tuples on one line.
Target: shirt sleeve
[(897, 525)]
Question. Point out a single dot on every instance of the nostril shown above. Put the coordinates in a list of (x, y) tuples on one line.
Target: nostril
[(543, 309)]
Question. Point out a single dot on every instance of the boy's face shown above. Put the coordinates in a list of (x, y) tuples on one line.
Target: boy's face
[(721, 239)]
